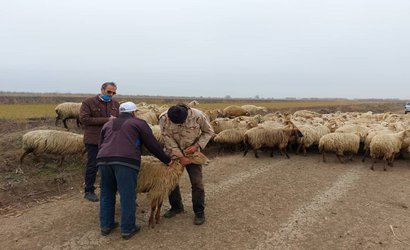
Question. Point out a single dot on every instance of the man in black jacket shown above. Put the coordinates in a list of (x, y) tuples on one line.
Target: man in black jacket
[(119, 159)]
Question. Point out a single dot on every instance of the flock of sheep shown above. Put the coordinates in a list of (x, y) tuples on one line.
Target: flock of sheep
[(247, 127)]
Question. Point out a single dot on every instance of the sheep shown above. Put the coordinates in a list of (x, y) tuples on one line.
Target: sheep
[(221, 124), (193, 103), (233, 136), (158, 180), (311, 136), (258, 137), (234, 111), (254, 119), (156, 130), (147, 115), (306, 114), (68, 110), (213, 114), (354, 128), (387, 146), (253, 110), (52, 142), (340, 143)]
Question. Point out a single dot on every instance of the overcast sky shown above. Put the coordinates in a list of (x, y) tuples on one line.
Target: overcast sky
[(212, 48)]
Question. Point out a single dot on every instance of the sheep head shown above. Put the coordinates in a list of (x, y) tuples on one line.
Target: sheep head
[(198, 158)]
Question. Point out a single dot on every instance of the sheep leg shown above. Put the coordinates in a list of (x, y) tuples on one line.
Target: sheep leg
[(57, 118), (304, 150), (365, 154), (283, 151), (246, 150), (298, 149), (157, 214), (323, 156), (61, 161), (271, 152), (65, 123), (151, 216), (391, 160), (340, 159), (372, 166), (255, 151), (24, 155)]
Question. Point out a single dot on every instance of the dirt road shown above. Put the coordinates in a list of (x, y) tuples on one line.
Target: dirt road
[(262, 203)]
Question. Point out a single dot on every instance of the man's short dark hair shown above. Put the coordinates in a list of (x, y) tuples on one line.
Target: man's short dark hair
[(178, 113), (104, 85)]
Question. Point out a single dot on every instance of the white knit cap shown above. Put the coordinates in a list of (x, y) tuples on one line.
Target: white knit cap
[(128, 107)]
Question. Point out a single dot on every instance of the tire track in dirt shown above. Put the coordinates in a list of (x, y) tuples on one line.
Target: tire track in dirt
[(306, 215)]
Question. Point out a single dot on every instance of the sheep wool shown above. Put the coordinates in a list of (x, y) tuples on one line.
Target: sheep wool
[(68, 110), (159, 180), (234, 111), (52, 142), (258, 137), (386, 146), (339, 143)]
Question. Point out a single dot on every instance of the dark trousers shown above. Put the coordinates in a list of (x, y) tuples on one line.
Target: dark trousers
[(91, 167), (198, 192), (113, 177)]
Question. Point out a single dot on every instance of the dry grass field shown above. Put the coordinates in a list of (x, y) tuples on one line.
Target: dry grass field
[(44, 187)]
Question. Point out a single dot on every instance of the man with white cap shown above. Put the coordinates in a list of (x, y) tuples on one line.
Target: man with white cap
[(119, 159)]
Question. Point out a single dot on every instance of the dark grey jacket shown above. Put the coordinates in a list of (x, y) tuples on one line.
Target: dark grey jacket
[(121, 140)]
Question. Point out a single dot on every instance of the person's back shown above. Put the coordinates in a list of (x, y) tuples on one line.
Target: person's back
[(119, 159)]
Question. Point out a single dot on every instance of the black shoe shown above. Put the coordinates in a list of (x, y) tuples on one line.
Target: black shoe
[(107, 231), (172, 212), (91, 196), (199, 219), (127, 236)]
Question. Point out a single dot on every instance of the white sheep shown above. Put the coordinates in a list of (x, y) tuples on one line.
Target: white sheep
[(68, 110), (156, 131), (148, 115), (221, 124), (233, 111), (193, 103), (386, 146), (253, 110), (232, 137), (52, 142), (354, 128), (213, 114), (311, 136), (258, 137), (339, 143), (159, 180)]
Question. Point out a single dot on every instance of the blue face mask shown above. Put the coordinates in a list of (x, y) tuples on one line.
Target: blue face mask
[(106, 98)]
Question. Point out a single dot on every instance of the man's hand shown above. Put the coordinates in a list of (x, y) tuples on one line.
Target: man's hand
[(184, 161), (191, 149)]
